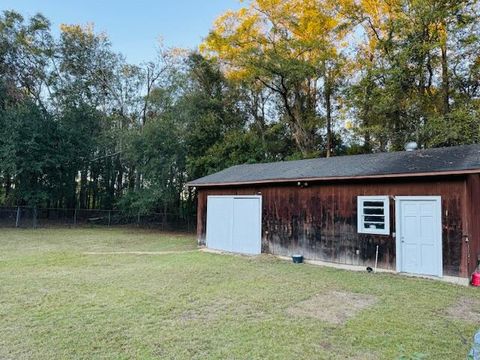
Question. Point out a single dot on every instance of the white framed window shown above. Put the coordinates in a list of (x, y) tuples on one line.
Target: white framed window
[(373, 214)]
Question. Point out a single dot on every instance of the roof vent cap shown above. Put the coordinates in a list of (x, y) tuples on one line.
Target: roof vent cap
[(411, 146)]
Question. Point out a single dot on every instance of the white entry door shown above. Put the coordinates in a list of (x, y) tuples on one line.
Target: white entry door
[(234, 223), (419, 235)]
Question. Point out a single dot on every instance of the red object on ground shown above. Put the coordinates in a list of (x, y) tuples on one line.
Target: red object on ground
[(476, 278)]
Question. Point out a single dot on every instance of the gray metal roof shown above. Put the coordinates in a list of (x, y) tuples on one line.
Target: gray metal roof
[(455, 159)]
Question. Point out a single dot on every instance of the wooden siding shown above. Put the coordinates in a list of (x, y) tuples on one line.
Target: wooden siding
[(473, 196), (320, 220)]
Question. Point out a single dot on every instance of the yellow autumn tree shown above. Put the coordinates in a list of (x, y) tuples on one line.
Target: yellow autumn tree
[(293, 48)]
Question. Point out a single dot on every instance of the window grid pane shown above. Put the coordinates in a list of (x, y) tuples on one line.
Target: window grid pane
[(374, 218), (373, 203), (370, 225), (373, 215), (376, 211)]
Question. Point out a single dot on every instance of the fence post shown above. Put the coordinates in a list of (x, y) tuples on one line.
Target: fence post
[(109, 217), (17, 220), (75, 217)]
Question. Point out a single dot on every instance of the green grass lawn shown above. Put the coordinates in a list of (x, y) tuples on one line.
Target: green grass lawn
[(59, 301)]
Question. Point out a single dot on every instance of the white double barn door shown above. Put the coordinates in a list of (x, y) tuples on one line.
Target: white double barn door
[(234, 223)]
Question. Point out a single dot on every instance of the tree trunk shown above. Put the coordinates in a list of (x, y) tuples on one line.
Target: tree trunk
[(165, 217), (8, 185), (94, 189), (138, 180), (71, 197), (296, 115), (445, 81), (367, 147), (328, 107), (83, 189), (111, 192), (119, 180)]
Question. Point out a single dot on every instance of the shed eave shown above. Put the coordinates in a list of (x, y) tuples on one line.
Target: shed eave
[(332, 178)]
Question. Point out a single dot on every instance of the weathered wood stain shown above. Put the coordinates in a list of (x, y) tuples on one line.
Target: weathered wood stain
[(320, 220)]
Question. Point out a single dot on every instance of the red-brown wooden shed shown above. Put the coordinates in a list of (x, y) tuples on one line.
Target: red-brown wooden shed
[(421, 208)]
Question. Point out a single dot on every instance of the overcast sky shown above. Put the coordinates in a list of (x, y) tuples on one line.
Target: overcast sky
[(133, 25)]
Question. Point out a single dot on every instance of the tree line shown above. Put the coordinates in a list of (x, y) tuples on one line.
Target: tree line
[(80, 127)]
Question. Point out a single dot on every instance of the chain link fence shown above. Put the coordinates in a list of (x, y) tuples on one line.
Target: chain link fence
[(30, 217)]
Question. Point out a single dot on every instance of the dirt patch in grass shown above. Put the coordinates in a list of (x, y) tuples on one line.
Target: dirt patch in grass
[(334, 307), (466, 309)]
